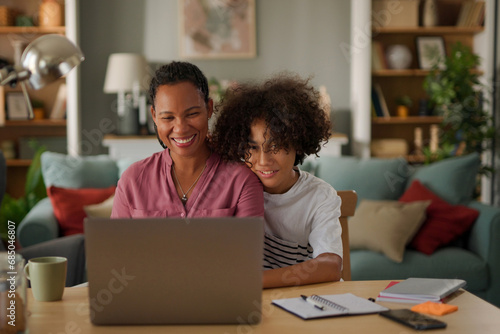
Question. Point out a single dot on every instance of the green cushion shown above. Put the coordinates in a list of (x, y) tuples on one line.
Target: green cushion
[(65, 171), (376, 179), (452, 179), (449, 262)]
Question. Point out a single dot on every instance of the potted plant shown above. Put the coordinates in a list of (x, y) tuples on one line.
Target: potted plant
[(38, 111), (15, 209), (403, 104), (456, 94)]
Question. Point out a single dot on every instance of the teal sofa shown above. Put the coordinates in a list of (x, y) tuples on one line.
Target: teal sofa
[(475, 257)]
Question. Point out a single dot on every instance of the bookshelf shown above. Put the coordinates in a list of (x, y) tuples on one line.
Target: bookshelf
[(15, 132), (398, 82)]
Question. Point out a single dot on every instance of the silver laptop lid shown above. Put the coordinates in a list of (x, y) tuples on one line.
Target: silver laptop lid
[(174, 271)]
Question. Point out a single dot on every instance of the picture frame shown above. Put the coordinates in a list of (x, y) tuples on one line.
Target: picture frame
[(430, 51), (17, 109), (217, 29)]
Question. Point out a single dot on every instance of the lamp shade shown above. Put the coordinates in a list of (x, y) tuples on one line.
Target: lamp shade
[(125, 73), (48, 58)]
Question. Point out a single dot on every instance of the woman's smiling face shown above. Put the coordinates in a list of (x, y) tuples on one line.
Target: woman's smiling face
[(181, 117)]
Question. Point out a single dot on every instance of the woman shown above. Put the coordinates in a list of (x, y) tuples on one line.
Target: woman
[(272, 127), (187, 179)]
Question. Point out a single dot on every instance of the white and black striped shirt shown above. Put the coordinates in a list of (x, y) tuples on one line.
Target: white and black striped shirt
[(301, 223)]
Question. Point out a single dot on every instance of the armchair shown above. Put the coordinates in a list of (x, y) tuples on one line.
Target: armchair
[(64, 171)]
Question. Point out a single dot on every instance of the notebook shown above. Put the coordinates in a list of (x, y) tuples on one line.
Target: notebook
[(419, 290), (333, 305), (174, 271)]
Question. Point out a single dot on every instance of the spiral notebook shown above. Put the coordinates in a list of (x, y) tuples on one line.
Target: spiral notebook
[(333, 305)]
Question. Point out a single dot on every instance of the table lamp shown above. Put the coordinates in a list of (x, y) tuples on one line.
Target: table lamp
[(127, 76), (44, 60)]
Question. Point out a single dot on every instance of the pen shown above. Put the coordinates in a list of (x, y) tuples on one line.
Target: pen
[(313, 302)]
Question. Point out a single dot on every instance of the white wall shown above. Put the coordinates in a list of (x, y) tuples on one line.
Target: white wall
[(303, 36)]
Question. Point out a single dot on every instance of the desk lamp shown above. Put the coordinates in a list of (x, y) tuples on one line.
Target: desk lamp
[(127, 76), (44, 60)]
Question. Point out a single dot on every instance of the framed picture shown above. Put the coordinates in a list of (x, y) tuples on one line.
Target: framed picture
[(431, 51), (217, 29), (17, 109)]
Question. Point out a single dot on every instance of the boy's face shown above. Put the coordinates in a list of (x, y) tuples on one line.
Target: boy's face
[(274, 169)]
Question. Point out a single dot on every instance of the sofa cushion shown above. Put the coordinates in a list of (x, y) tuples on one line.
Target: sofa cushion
[(448, 262), (101, 210), (452, 179), (376, 179), (444, 222), (65, 171), (68, 205), (386, 226)]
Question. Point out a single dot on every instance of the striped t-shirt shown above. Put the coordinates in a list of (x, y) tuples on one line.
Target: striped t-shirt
[(301, 223)]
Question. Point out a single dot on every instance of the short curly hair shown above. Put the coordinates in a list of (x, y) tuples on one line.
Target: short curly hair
[(176, 72), (287, 103)]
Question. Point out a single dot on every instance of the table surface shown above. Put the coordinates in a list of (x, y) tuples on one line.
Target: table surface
[(71, 315)]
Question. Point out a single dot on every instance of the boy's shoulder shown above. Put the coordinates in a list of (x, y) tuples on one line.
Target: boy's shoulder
[(310, 181)]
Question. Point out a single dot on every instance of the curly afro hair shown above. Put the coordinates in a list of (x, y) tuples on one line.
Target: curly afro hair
[(290, 107)]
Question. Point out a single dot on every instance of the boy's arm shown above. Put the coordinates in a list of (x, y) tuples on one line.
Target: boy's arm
[(324, 268)]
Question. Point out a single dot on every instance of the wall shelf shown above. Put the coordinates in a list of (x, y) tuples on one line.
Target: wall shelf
[(442, 30), (36, 123), (408, 120), (409, 73), (32, 30), (18, 162)]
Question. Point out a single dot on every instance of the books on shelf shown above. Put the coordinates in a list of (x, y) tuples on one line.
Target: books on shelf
[(328, 306), (2, 106), (471, 14), (378, 57), (419, 290), (379, 102), (59, 108)]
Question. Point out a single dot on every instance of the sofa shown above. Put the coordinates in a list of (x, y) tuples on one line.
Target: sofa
[(473, 256), (73, 182)]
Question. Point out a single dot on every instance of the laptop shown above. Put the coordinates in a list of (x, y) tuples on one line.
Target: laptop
[(156, 271)]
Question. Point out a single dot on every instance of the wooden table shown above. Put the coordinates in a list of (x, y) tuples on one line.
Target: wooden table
[(71, 315)]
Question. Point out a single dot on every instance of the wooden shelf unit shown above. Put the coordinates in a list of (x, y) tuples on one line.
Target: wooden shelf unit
[(395, 83), (14, 130)]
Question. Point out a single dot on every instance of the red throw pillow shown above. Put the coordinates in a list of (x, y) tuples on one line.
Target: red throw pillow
[(444, 223), (68, 205)]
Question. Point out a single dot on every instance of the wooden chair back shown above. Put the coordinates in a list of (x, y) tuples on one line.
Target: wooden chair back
[(349, 200)]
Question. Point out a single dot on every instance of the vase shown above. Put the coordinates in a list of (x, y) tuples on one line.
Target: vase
[(50, 14), (402, 111), (429, 13), (398, 57)]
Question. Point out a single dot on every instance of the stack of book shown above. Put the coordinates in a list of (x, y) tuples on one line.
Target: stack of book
[(471, 14), (379, 104), (420, 290)]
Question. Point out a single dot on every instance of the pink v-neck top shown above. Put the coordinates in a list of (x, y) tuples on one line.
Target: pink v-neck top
[(146, 189)]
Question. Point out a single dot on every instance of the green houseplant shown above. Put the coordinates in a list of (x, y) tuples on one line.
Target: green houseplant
[(456, 94), (15, 209)]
